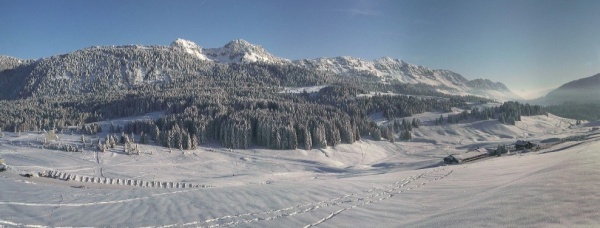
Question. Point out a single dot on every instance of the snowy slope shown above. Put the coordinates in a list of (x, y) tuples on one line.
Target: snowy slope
[(537, 190), (366, 184)]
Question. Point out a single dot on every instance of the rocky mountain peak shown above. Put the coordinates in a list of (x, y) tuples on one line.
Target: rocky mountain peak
[(188, 47)]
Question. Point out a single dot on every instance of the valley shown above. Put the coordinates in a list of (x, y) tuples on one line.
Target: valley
[(185, 136)]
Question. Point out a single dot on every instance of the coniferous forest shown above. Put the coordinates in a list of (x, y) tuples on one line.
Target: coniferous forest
[(237, 105), (578, 111)]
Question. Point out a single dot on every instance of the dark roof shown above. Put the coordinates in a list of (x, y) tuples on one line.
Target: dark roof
[(471, 155)]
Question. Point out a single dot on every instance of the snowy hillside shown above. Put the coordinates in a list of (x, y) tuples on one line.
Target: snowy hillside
[(370, 183)]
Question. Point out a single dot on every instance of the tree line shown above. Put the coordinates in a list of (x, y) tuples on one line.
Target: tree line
[(507, 113)]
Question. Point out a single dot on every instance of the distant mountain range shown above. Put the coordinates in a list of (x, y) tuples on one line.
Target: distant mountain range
[(584, 90), (130, 65)]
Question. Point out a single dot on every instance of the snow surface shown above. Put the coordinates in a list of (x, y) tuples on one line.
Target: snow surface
[(366, 184)]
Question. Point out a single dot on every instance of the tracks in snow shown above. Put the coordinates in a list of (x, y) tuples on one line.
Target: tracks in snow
[(60, 204), (349, 202), (386, 195)]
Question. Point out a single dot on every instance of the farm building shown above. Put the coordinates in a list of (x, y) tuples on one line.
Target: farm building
[(466, 157)]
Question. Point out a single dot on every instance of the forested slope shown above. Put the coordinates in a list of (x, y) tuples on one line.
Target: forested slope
[(238, 103)]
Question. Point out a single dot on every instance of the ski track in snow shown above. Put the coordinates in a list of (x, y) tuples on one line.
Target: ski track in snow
[(363, 198), (14, 224), (93, 203)]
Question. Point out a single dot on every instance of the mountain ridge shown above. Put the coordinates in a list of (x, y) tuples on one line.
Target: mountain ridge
[(137, 65), (384, 68), (387, 69), (583, 90), (235, 51)]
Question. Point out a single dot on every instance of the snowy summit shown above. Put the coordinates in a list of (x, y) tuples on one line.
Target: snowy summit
[(189, 47), (236, 51)]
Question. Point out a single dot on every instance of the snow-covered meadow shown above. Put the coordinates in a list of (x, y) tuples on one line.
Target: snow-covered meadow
[(366, 184)]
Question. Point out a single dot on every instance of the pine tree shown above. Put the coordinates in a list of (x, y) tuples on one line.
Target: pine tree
[(396, 126), (307, 139), (143, 138), (155, 133), (276, 142), (101, 147), (501, 150), (319, 139), (112, 128), (194, 141), (376, 134), (292, 138), (186, 141), (132, 138), (414, 123), (113, 141), (123, 138)]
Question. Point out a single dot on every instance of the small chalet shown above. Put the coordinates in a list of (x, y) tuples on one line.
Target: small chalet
[(467, 157)]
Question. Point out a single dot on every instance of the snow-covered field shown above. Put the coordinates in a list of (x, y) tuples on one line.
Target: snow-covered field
[(366, 184)]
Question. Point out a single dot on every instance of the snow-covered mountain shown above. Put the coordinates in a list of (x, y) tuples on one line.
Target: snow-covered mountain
[(190, 48), (236, 51), (584, 90), (129, 65), (387, 70)]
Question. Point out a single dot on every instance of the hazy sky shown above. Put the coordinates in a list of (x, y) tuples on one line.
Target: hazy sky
[(528, 45)]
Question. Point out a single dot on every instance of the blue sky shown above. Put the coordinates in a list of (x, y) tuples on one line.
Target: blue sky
[(529, 45)]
